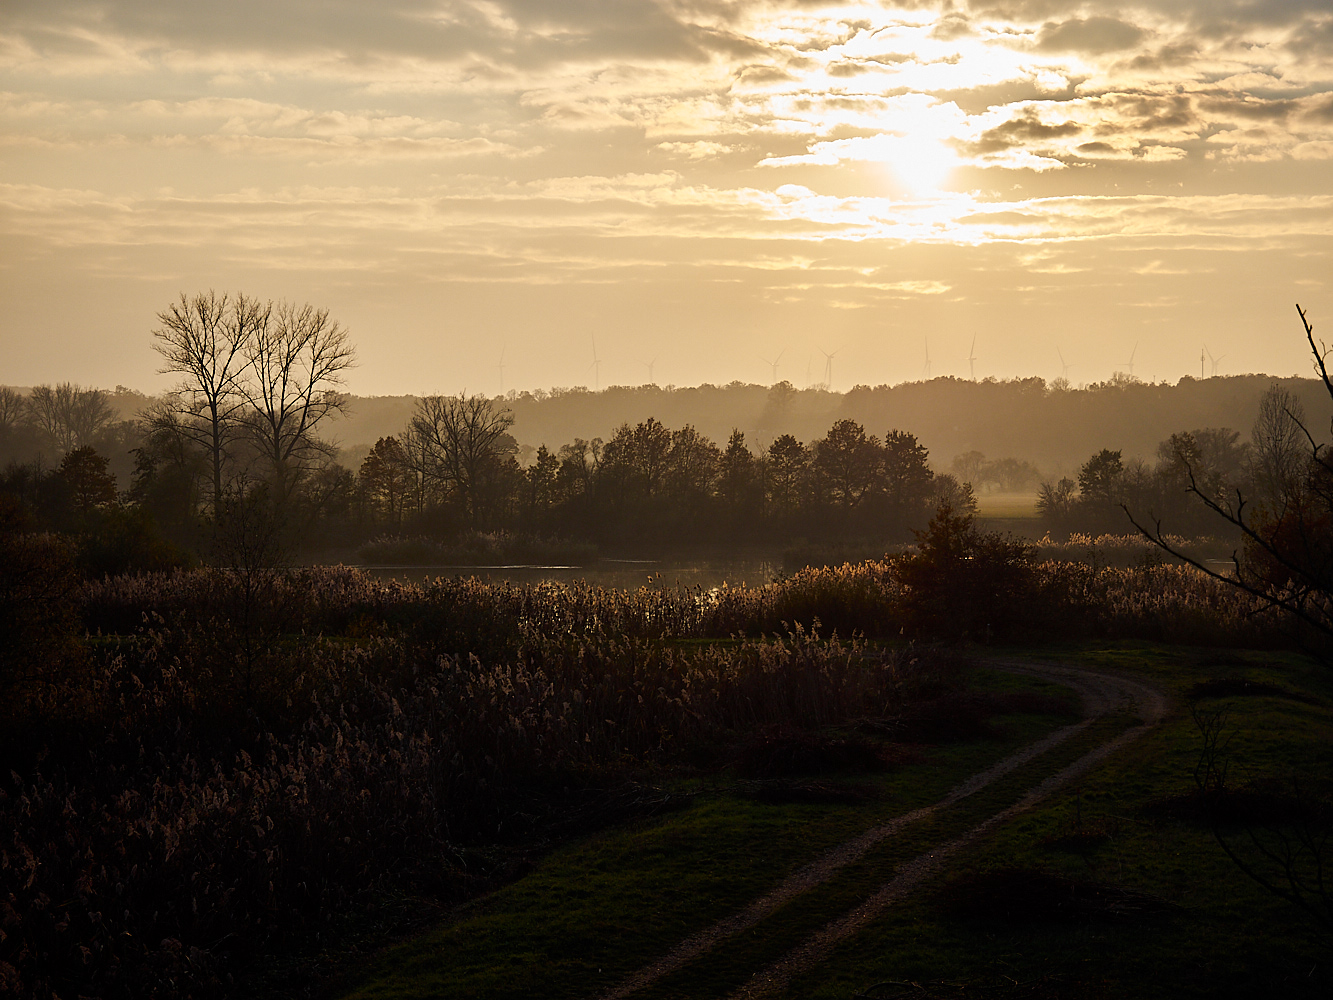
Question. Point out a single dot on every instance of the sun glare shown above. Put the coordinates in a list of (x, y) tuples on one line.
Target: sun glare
[(922, 166)]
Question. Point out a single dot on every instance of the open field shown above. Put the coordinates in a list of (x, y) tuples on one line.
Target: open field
[(1106, 888), (1007, 505)]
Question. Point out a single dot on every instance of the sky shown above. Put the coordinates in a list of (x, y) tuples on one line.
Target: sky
[(513, 194)]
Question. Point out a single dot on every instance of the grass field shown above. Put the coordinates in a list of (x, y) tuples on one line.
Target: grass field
[(1007, 505), (1107, 888)]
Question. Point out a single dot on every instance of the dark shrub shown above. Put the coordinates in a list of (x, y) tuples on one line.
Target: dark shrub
[(781, 751), (963, 583)]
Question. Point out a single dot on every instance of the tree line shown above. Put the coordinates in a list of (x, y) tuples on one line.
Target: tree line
[(1271, 472), (453, 468), (239, 433), (1049, 423), (240, 441)]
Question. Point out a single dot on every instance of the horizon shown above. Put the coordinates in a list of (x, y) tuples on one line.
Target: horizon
[(547, 391)]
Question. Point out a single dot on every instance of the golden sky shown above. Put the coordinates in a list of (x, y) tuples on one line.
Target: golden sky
[(699, 185)]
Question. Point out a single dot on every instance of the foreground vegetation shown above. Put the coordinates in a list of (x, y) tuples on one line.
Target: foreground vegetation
[(1114, 888), (213, 765)]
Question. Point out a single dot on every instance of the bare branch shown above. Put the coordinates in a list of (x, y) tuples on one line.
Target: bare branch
[(462, 437), (1319, 351), (70, 415), (296, 357), (203, 340)]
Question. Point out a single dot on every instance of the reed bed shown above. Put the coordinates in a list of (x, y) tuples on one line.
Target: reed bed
[(1126, 551), (176, 824), (232, 763), (1061, 598)]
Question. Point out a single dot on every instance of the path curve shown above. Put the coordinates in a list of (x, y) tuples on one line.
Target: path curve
[(1102, 694)]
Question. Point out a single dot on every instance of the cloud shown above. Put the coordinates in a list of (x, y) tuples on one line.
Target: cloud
[(845, 70), (1320, 108), (521, 35), (700, 150), (951, 25), (1244, 107), (1026, 129), (504, 128), (1318, 150), (1093, 35)]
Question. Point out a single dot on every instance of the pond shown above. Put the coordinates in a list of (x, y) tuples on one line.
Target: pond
[(624, 574)]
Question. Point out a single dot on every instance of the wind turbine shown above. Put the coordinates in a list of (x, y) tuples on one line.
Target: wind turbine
[(1130, 363), (1214, 361), (596, 367), (649, 366), (1064, 365), (972, 358), (1202, 359), (501, 366), (828, 367), (774, 363), (925, 369)]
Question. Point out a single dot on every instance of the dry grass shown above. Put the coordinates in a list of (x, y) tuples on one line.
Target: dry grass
[(249, 761), (176, 809)]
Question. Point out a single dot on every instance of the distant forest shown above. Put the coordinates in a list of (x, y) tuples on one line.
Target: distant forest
[(1054, 426), (134, 476), (257, 455)]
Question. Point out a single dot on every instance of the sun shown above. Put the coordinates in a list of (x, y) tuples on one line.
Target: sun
[(919, 164)]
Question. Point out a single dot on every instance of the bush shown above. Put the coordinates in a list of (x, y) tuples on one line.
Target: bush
[(126, 540), (964, 583)]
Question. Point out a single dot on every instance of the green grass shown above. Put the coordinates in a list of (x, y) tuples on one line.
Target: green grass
[(1221, 935), (732, 963), (596, 910)]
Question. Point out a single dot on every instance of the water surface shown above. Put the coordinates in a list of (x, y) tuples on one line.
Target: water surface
[(624, 574)]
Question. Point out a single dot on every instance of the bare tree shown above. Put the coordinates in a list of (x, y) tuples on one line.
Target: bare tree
[(465, 437), (295, 360), (1287, 556), (417, 454), (1279, 456), (70, 415), (12, 411), (203, 339)]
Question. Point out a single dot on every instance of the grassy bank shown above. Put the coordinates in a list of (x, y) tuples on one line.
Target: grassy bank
[(1115, 887)]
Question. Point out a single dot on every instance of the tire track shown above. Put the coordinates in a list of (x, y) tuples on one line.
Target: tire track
[(1149, 704), (1101, 694)]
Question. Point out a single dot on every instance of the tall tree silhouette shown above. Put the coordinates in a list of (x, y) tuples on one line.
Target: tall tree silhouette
[(204, 339), (296, 362)]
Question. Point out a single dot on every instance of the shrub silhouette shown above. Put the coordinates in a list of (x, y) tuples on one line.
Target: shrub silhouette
[(962, 582)]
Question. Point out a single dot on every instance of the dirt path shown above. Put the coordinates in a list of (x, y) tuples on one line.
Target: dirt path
[(1102, 694)]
